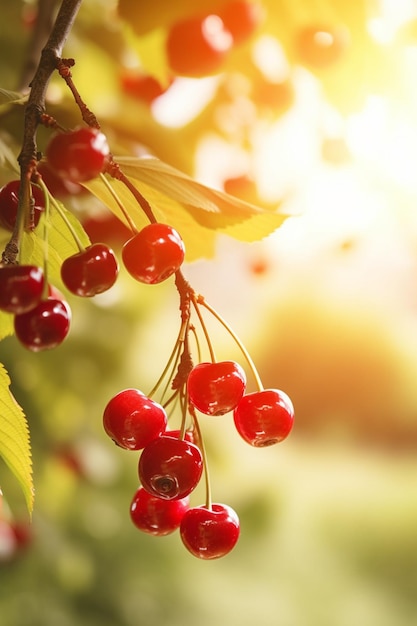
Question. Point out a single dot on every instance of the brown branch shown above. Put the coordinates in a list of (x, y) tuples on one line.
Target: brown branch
[(35, 108)]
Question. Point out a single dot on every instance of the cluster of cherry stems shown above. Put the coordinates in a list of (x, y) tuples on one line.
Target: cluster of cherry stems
[(171, 462)]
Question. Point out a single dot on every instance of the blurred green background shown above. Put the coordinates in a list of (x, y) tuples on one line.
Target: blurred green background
[(326, 306)]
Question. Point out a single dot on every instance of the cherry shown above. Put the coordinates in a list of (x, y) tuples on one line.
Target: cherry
[(58, 187), (21, 287), (141, 86), (78, 155), (242, 186), (45, 326), (198, 46), (9, 200), (241, 19), (210, 533), (133, 420), (154, 253), (264, 418), (155, 516), (170, 468), (106, 227), (91, 271), (321, 46), (216, 388), (188, 435)]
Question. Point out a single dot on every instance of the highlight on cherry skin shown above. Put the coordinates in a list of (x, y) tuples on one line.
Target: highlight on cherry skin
[(216, 388), (154, 253), (210, 533), (91, 271), (157, 516), (170, 468), (21, 287), (78, 155), (132, 420), (264, 418)]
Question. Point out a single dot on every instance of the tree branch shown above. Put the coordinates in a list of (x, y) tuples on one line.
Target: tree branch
[(35, 107)]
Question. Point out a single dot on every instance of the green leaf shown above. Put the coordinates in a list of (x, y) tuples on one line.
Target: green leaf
[(198, 212), (11, 97), (6, 325), (14, 439), (61, 243)]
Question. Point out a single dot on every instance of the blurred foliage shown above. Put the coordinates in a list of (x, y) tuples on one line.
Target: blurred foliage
[(328, 519)]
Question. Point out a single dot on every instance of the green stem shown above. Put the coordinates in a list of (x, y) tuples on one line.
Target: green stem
[(202, 447), (119, 203), (195, 302), (238, 342)]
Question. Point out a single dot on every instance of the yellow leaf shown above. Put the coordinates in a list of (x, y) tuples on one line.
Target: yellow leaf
[(198, 212), (14, 439)]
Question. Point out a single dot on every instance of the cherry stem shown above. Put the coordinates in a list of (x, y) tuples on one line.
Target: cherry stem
[(200, 299), (119, 203), (202, 447), (114, 170), (195, 303), (46, 238), (174, 355), (88, 116)]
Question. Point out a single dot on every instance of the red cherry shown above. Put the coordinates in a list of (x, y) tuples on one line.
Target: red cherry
[(59, 187), (45, 326), (91, 271), (198, 46), (133, 420), (170, 468), (106, 227), (154, 253), (216, 388), (9, 199), (264, 418), (188, 436), (21, 287), (243, 187), (141, 86), (155, 516), (320, 46), (79, 155), (210, 533), (241, 19)]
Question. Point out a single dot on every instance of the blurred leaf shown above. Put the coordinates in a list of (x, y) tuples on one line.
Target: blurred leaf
[(8, 159), (148, 48), (14, 439), (6, 325), (11, 97), (195, 210)]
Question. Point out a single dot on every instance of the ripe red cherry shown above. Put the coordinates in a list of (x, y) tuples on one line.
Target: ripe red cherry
[(133, 420), (154, 253), (321, 46), (79, 155), (216, 388), (45, 326), (241, 19), (264, 418), (91, 271), (21, 287), (170, 468), (156, 516), (141, 86), (210, 533), (9, 199), (198, 46)]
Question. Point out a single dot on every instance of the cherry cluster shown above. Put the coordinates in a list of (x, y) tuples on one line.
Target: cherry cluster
[(172, 461)]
